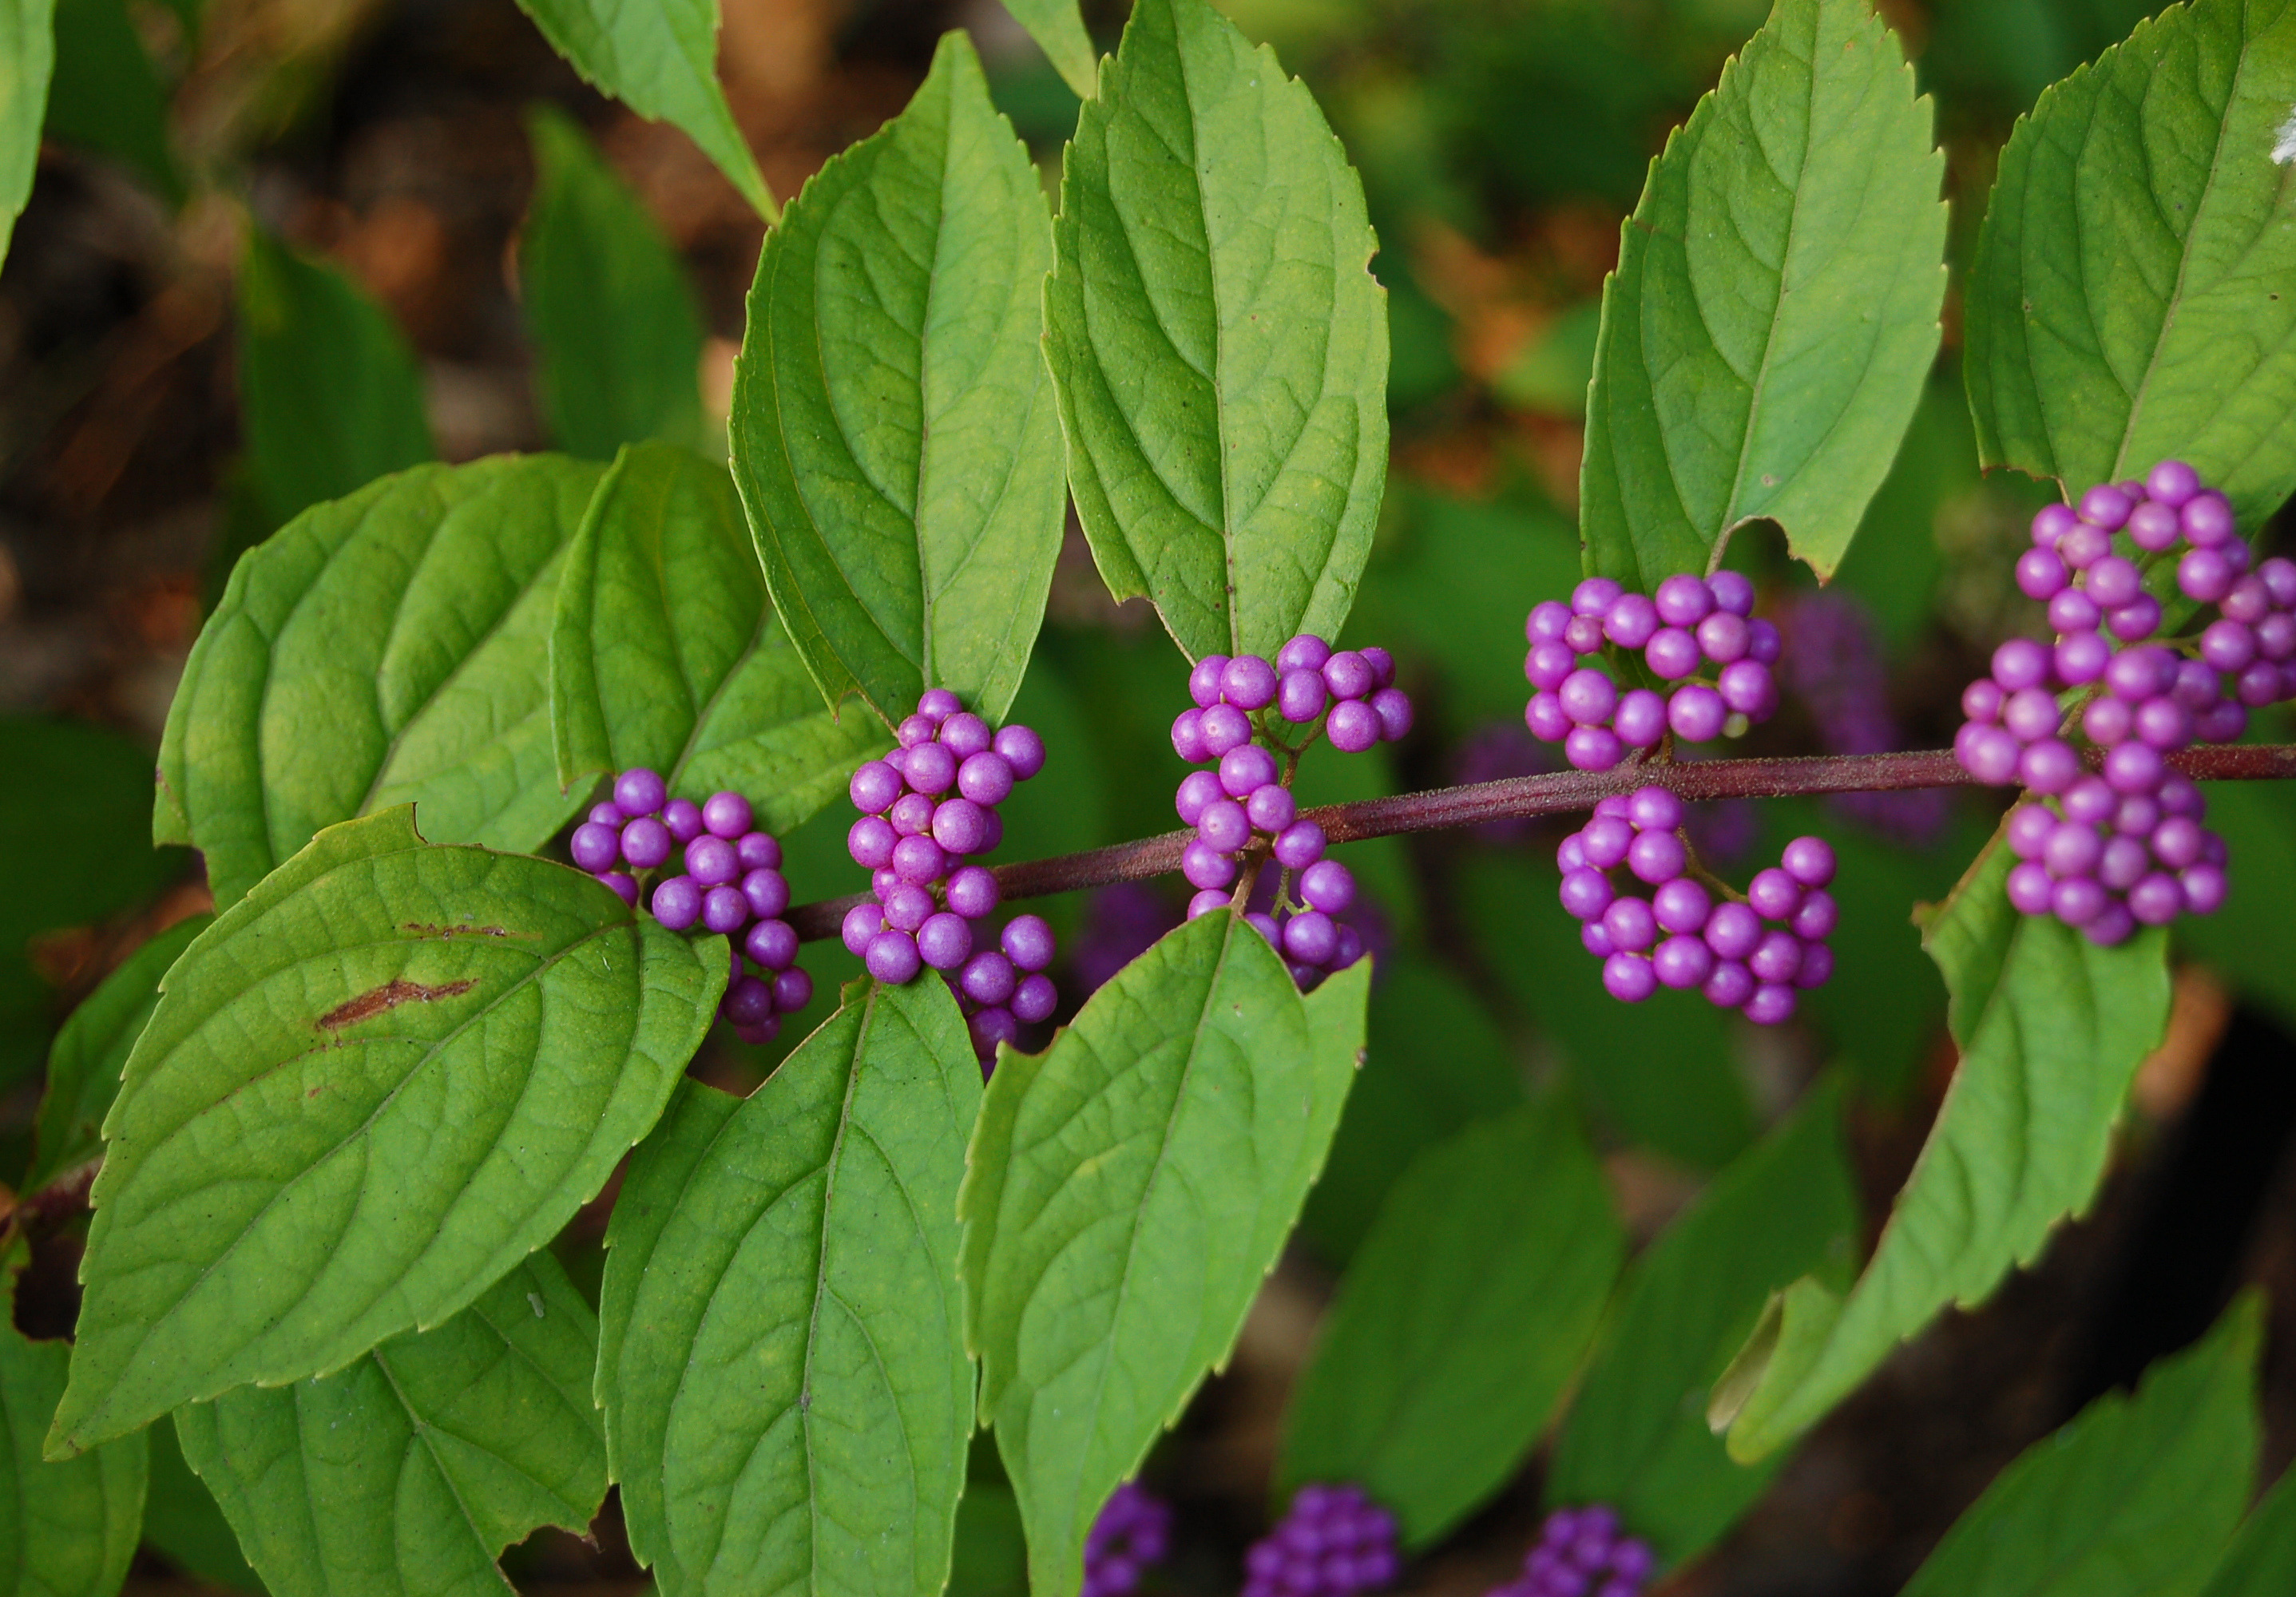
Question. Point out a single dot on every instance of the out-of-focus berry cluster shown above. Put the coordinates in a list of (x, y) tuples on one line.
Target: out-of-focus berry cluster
[(924, 807), (2109, 853), (1334, 1541), (1349, 697), (1752, 955), (1690, 626), (732, 883), (1133, 1530), (1833, 665), (1581, 1553)]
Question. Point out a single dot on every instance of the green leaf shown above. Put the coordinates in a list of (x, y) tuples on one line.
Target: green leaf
[(1663, 1072), (105, 95), (992, 1557), (27, 56), (1058, 28), (612, 314), (85, 1066), (2246, 941), (2262, 1559), (661, 60), (1218, 340), (787, 1397), (68, 1529), (2135, 1497), (1774, 310), (74, 793), (1125, 1193), (1434, 1063), (1460, 1322), (2050, 1030), (182, 1521), (373, 1086), (408, 1472), (1637, 1437), (390, 647), (2129, 299), (665, 653), (893, 427), (329, 394)]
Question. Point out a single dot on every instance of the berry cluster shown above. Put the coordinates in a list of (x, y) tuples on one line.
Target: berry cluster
[(1577, 1548), (1678, 937), (2107, 853), (926, 805), (1246, 802), (1834, 665), (732, 881), (1334, 1542), (1689, 625), (1133, 1531)]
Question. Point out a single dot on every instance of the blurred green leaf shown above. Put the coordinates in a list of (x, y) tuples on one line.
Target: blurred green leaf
[(2261, 1562), (1662, 1071), (1421, 365), (1636, 1438), (90, 1051), (2246, 941), (661, 60), (27, 56), (992, 1556), (2129, 298), (2135, 1497), (783, 1343), (182, 1523), (1058, 29), (405, 1474), (1064, 809), (1550, 373), (373, 1086), (105, 95), (1125, 1192), (2050, 1030), (893, 428), (393, 646), (68, 1529), (329, 394), (613, 316), (1774, 310), (1218, 343), (1435, 1062), (2003, 52), (1459, 1321), (1895, 563), (665, 653)]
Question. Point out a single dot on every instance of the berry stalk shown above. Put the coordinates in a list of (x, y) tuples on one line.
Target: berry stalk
[(1564, 792)]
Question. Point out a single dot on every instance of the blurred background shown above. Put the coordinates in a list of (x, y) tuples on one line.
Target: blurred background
[(277, 247)]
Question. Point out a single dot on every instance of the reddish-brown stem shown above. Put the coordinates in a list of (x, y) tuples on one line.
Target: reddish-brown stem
[(1561, 793)]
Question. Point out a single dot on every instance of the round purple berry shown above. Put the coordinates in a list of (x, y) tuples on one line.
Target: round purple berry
[(595, 846), (676, 902)]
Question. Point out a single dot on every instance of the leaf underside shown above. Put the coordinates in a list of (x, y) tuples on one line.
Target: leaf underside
[(1773, 312), (1218, 342)]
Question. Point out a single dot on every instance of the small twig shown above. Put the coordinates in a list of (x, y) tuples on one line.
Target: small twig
[(1562, 792)]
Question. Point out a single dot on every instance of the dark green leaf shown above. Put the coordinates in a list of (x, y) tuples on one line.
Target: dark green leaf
[(27, 56), (1058, 29), (665, 653), (390, 647), (1461, 1320), (2128, 298), (1218, 340), (787, 1397), (2262, 1560), (1434, 1062), (661, 60), (104, 92), (613, 316), (2136, 1498), (1774, 310), (992, 1556), (182, 1522), (893, 427), (373, 1086), (1637, 1437), (1125, 1192), (408, 1471), (328, 390), (85, 1066), (2050, 1030), (68, 1529), (1664, 1072), (2247, 940)]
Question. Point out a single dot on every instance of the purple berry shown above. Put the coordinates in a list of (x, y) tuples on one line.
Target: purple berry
[(1271, 808), (1027, 942), (1593, 748), (1730, 985), (1199, 791), (2041, 575), (1349, 675), (1305, 651), (640, 791), (932, 770), (907, 907), (1202, 903), (711, 861), (961, 826), (963, 734), (985, 778), (1244, 770), (1299, 845), (772, 943), (2048, 766), (1205, 679), (1310, 936), (726, 814), (766, 891), (1630, 621), (1353, 726), (862, 922), (1818, 916), (748, 1001), (625, 886), (988, 977), (938, 705), (1733, 591), (1817, 967), (595, 846), (792, 990), (1586, 893), (1606, 840), (1206, 867), (676, 902), (945, 941), (759, 851), (1392, 706), (892, 957), (725, 909), (1657, 856), (1035, 999), (911, 815), (1640, 720), (683, 816), (1224, 826), (1226, 727), (1772, 1004), (1631, 926), (1628, 977), (2021, 663), (1733, 930), (646, 843), (870, 841), (1328, 886), (1302, 695), (919, 861), (2050, 525), (1747, 687), (1020, 747), (1809, 861), (1682, 905), (2105, 506), (1696, 713), (1774, 894), (1671, 654), (1682, 962), (1249, 683), (2031, 888)]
